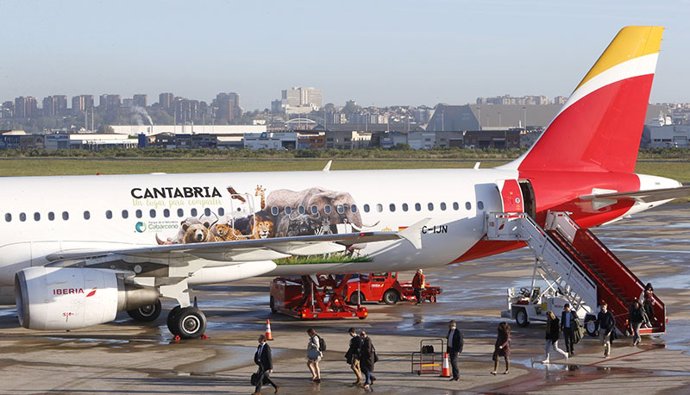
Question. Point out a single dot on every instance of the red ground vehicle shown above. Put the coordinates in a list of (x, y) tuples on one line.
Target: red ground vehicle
[(384, 287), (313, 297)]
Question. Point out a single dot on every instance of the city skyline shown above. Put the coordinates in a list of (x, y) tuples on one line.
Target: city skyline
[(384, 53)]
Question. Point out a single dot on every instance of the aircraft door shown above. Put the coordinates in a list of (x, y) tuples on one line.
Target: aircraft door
[(511, 196)]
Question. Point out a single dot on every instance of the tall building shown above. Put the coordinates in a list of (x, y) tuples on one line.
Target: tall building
[(228, 107), (186, 111), (81, 104), (7, 109), (54, 105), (300, 97), (139, 100), (110, 103), (165, 100), (25, 107)]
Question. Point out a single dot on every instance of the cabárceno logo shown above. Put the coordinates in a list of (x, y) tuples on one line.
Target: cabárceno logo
[(140, 227), (155, 226)]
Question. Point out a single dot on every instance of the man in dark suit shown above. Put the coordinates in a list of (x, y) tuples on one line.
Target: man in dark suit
[(568, 326), (263, 359), (454, 347)]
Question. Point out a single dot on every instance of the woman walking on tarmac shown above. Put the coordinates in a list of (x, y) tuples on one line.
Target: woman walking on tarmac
[(553, 332), (314, 355), (502, 347)]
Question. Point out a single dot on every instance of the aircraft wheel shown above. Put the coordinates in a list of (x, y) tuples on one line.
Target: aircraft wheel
[(148, 313), (390, 297), (521, 318), (190, 323), (172, 319)]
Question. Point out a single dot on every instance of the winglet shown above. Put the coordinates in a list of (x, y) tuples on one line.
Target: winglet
[(327, 168), (413, 233)]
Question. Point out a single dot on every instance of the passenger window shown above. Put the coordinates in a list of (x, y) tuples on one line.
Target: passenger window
[(87, 215), (207, 212), (480, 205), (125, 214), (193, 212), (288, 210), (353, 208), (152, 213), (468, 206), (405, 207), (8, 217), (456, 206), (340, 209), (180, 212), (65, 215), (274, 210), (139, 214), (327, 209), (379, 207), (22, 217), (166, 213), (443, 206), (366, 208), (314, 210), (301, 209), (108, 214), (51, 216), (221, 211), (430, 206), (37, 216), (391, 207), (418, 207)]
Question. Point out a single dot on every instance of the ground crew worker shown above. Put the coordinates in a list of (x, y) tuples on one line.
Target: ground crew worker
[(418, 284)]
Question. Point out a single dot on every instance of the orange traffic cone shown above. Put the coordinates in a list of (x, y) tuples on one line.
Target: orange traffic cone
[(445, 367), (269, 336)]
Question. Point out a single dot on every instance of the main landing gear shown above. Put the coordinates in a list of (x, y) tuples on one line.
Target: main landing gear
[(187, 322)]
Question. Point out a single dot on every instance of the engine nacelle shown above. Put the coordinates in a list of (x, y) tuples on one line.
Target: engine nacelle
[(71, 298)]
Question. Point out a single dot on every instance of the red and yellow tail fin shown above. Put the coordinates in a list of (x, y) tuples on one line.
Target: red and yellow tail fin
[(600, 126)]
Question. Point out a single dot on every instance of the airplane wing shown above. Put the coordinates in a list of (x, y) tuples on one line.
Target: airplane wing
[(235, 251), (239, 250), (649, 196)]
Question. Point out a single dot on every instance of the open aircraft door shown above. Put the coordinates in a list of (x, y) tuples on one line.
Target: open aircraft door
[(517, 196)]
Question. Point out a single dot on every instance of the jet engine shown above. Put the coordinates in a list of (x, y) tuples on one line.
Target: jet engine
[(70, 298)]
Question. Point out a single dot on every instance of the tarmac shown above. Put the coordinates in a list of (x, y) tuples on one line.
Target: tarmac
[(128, 358)]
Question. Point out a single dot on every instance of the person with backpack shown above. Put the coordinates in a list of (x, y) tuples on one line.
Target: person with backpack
[(314, 355), (368, 359), (263, 359), (454, 347), (353, 355)]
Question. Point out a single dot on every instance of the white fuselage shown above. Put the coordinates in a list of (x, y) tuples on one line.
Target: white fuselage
[(42, 216)]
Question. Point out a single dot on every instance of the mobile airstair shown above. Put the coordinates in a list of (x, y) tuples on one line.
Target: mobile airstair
[(577, 265)]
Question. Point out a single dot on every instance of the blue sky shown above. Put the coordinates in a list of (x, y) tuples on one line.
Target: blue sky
[(376, 52)]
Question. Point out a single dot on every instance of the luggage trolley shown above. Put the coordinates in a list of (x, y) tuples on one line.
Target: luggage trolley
[(428, 360)]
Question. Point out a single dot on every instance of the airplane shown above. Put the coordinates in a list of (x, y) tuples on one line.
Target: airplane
[(76, 250)]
